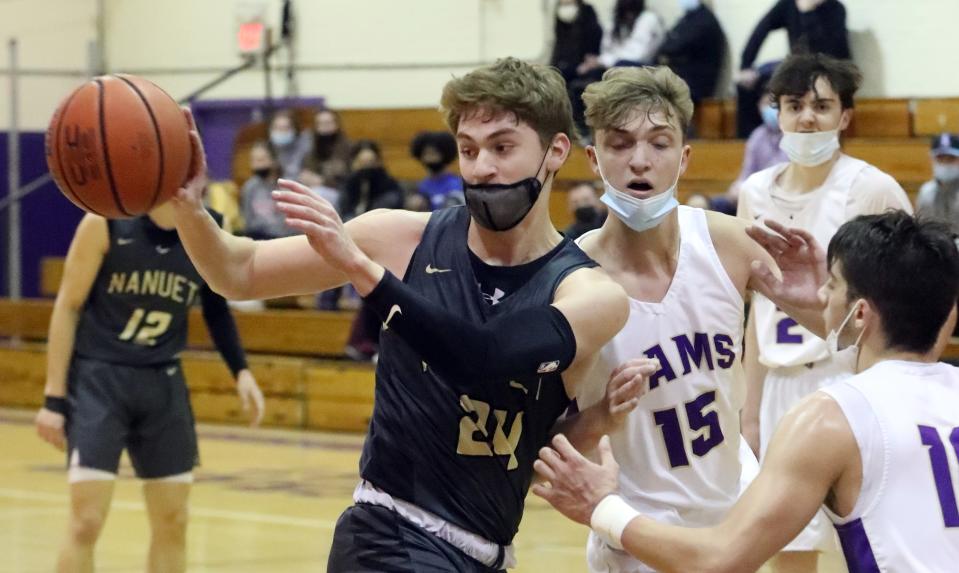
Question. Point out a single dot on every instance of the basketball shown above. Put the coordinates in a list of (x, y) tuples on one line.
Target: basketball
[(118, 146)]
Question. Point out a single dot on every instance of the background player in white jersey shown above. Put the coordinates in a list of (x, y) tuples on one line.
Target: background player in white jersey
[(878, 450), (686, 272), (818, 190)]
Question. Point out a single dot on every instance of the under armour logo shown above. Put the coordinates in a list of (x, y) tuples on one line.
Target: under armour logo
[(123, 241), (395, 309), (431, 270), (494, 298), (547, 367), (163, 250)]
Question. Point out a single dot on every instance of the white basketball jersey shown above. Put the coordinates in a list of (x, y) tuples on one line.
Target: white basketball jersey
[(679, 449), (782, 342), (905, 417)]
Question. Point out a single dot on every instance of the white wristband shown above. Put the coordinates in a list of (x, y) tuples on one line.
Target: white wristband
[(610, 518)]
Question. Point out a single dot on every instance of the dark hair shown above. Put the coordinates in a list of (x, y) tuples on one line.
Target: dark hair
[(798, 73), (264, 144), (906, 267), (290, 114), (361, 144), (624, 16), (442, 141)]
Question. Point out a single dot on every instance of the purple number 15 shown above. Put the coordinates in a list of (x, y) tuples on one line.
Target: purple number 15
[(940, 471), (698, 419)]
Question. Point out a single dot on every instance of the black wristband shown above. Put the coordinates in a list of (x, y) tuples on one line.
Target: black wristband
[(56, 404)]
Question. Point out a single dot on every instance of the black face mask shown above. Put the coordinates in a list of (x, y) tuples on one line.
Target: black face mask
[(263, 173), (326, 138), (585, 214), (501, 206), (435, 167)]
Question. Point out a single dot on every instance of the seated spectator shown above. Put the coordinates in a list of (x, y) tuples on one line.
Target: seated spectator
[(939, 198), (587, 210), (289, 144), (436, 150), (262, 220), (310, 176), (369, 186), (330, 155), (812, 26), (762, 151), (694, 49), (633, 40), (577, 36)]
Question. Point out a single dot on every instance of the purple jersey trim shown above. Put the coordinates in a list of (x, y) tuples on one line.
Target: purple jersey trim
[(856, 548)]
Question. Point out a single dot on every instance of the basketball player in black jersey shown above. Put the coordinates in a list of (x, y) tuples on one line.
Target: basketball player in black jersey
[(114, 379), (489, 317)]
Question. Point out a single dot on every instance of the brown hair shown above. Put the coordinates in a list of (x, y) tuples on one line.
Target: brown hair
[(612, 102), (533, 93)]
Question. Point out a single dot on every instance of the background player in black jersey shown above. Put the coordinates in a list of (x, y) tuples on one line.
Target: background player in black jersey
[(490, 316), (114, 379)]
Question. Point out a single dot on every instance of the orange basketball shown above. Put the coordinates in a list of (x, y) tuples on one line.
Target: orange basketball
[(118, 146)]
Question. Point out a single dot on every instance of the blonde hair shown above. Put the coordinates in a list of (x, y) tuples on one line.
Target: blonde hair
[(533, 93), (611, 102)]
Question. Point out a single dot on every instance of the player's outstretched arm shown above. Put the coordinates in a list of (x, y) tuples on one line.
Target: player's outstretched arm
[(802, 262), (812, 448), (626, 385), (90, 243), (240, 268)]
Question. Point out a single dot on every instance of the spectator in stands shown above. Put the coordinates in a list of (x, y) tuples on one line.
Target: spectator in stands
[(588, 212), (812, 26), (262, 220), (762, 151), (436, 150), (289, 144), (330, 154), (939, 198), (577, 35), (694, 49), (369, 186), (311, 177), (633, 40)]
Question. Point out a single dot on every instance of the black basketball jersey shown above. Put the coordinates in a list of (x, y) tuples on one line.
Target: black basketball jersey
[(463, 450), (138, 307)]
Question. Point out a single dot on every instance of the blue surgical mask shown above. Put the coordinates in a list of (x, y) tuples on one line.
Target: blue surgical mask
[(770, 117), (281, 138), (639, 214)]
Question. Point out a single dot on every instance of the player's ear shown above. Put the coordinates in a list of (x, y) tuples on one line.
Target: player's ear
[(845, 119)]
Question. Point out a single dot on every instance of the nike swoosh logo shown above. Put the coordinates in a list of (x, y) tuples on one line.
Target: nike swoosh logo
[(394, 310), (163, 250), (171, 371), (518, 386), (123, 242), (431, 270)]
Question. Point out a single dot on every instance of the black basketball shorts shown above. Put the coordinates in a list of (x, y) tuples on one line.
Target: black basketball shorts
[(143, 409)]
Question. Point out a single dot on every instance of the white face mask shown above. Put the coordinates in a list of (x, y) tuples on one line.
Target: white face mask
[(688, 5), (810, 149), (639, 214), (847, 357), (945, 173), (567, 13)]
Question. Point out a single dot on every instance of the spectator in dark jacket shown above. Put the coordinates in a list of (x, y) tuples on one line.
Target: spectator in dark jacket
[(812, 26), (694, 49), (577, 35), (369, 186)]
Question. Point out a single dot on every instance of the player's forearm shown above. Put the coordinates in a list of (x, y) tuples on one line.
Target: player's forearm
[(60, 340), (673, 549), (585, 428), (223, 260)]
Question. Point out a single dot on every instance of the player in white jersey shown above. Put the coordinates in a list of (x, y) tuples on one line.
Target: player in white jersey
[(879, 450), (686, 272), (817, 190)]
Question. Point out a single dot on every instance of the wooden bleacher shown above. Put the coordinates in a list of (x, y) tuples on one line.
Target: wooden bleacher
[(301, 390)]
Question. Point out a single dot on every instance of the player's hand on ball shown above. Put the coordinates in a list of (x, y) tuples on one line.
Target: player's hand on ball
[(191, 194), (627, 384), (575, 485), (50, 428), (251, 397)]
